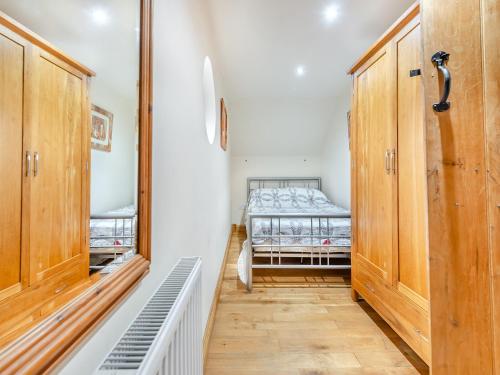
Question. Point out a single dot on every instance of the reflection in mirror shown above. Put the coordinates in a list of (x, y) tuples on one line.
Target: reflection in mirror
[(104, 36)]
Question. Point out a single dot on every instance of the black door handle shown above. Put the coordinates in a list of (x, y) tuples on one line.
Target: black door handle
[(439, 59)]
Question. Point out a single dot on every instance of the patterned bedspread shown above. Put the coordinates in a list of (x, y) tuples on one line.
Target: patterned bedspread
[(108, 229), (300, 232)]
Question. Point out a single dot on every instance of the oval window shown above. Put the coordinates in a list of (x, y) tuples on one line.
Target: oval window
[(209, 96)]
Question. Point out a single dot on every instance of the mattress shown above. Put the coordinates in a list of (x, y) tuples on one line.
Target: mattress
[(298, 234), (112, 229)]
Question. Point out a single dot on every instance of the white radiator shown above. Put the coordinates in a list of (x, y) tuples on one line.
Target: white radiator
[(166, 336)]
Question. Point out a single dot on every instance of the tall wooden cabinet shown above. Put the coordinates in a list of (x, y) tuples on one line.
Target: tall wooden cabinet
[(44, 177), (389, 203)]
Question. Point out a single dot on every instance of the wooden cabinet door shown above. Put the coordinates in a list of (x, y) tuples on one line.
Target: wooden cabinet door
[(412, 275), (12, 62), (59, 183), (464, 313), (375, 136)]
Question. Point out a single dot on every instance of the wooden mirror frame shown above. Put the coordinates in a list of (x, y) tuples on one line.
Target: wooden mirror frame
[(78, 313)]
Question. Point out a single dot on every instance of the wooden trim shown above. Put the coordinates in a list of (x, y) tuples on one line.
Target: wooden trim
[(374, 269), (34, 38), (459, 259), (145, 130), (490, 31), (354, 191), (413, 296), (28, 119), (396, 27), (213, 309), (86, 161), (406, 321), (46, 345)]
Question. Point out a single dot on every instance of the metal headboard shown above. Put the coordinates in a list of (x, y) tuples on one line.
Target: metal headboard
[(282, 182)]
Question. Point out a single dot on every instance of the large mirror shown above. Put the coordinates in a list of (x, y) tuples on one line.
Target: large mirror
[(104, 36)]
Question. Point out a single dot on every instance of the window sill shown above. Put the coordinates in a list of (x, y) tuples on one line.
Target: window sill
[(44, 346)]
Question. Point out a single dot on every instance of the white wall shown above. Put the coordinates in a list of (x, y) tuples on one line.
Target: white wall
[(113, 182), (290, 137), (336, 158), (243, 167), (286, 126), (275, 137), (191, 207)]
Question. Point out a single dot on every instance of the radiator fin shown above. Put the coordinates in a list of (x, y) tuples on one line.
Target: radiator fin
[(129, 353)]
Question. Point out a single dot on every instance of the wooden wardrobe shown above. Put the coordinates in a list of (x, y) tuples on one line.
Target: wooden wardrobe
[(389, 189), (44, 174)]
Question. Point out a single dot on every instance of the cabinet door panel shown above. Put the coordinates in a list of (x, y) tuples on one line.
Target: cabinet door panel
[(375, 129), (11, 163), (57, 188), (412, 253)]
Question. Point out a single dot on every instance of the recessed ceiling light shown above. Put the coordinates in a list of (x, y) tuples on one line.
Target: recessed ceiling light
[(331, 12), (100, 16), (300, 71)]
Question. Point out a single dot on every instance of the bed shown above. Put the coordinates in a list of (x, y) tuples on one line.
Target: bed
[(291, 224), (112, 238)]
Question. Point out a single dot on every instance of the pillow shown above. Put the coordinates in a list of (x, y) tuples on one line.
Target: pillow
[(289, 197)]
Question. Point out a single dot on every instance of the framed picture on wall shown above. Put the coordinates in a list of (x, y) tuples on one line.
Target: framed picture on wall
[(102, 129), (223, 125)]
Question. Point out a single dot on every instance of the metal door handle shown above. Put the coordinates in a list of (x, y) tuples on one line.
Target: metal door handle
[(387, 162), (36, 156), (393, 161), (28, 163), (439, 59)]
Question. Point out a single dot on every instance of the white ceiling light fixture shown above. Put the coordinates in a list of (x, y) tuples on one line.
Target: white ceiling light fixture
[(331, 13), (100, 16), (300, 71)]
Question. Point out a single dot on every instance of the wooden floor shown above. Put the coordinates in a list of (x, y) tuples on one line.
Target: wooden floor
[(301, 330)]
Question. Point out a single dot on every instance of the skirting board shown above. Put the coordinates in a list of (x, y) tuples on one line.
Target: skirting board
[(213, 309)]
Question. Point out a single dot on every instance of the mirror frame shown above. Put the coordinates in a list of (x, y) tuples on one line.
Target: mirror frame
[(76, 315)]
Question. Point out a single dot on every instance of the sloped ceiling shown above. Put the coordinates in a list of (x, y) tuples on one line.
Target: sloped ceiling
[(260, 43)]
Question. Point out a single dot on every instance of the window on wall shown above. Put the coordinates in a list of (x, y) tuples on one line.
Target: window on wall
[(209, 99)]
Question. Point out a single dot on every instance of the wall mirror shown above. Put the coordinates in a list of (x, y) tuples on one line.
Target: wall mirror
[(105, 37), (75, 100)]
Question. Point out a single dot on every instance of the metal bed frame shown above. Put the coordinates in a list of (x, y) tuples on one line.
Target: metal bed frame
[(317, 255), (123, 235)]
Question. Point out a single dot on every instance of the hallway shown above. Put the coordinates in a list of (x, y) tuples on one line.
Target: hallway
[(301, 331)]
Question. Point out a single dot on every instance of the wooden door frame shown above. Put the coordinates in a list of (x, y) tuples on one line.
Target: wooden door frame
[(50, 341), (491, 69), (460, 250), (145, 129)]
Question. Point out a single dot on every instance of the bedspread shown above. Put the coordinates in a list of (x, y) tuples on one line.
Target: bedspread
[(297, 232)]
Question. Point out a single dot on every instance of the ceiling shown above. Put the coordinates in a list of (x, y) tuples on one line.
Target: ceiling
[(258, 46), (273, 111), (261, 42), (110, 47)]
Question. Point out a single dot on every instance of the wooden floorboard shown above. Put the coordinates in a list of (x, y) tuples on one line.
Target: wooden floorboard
[(301, 326)]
